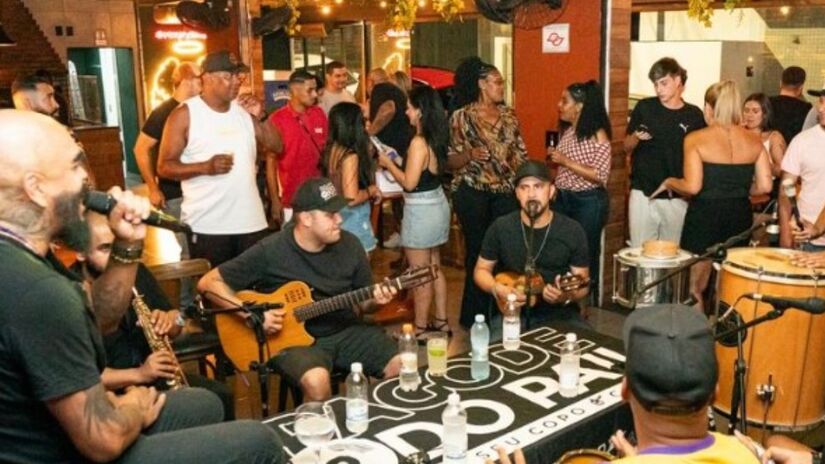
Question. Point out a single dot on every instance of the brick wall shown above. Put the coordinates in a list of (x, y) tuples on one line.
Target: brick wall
[(33, 50)]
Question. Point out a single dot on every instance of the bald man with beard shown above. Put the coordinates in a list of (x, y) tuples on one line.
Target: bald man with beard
[(53, 404)]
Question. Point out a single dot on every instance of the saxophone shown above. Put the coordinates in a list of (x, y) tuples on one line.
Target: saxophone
[(157, 343)]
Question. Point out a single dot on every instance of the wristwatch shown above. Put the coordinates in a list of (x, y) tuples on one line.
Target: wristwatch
[(180, 321), (816, 458)]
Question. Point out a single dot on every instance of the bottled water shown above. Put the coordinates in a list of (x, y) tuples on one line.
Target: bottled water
[(569, 368), (357, 403), (408, 379), (480, 339), (454, 438), (511, 325)]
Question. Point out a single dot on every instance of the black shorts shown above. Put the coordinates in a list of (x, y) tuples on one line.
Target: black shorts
[(367, 344)]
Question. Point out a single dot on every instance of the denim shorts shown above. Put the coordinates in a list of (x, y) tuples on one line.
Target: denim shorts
[(426, 222), (357, 222)]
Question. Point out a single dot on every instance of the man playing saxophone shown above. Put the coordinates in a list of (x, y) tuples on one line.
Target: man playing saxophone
[(136, 351)]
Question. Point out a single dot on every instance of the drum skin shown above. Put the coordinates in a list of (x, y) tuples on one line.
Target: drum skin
[(585, 456), (788, 351)]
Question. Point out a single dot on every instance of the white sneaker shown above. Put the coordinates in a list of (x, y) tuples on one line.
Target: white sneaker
[(394, 241)]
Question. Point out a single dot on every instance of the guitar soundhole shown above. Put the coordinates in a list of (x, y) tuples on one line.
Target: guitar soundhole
[(296, 295)]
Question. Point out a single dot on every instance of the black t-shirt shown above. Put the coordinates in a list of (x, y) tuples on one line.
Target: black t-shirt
[(789, 115), (154, 128), (662, 156), (50, 347), (127, 347), (398, 132), (566, 246), (278, 259)]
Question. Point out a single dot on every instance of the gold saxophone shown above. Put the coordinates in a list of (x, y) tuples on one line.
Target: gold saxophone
[(157, 343)]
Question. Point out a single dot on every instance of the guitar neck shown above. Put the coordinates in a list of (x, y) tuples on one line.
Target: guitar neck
[(349, 299)]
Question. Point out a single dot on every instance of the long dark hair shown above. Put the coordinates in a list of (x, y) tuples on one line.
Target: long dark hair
[(346, 129), (767, 109), (594, 115), (466, 78), (434, 126)]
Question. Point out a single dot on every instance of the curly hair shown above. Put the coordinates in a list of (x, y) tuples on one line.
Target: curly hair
[(466, 78)]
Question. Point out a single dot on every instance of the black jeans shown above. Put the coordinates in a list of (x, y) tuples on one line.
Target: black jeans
[(588, 208), (189, 430), (218, 249), (476, 210)]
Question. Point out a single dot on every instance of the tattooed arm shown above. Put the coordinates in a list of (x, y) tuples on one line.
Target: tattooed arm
[(103, 425)]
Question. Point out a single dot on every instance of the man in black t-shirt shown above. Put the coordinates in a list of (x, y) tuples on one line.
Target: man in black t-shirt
[(789, 108), (52, 401), (312, 249), (559, 247), (129, 359), (388, 117), (165, 193), (655, 137)]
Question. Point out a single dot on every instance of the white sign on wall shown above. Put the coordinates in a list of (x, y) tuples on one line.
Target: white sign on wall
[(555, 38)]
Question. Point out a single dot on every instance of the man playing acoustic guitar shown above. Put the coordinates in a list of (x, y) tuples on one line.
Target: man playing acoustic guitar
[(312, 249), (559, 247)]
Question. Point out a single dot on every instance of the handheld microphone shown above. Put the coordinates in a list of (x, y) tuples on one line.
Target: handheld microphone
[(789, 187), (809, 305), (102, 202)]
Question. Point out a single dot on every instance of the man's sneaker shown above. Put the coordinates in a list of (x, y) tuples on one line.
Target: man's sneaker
[(393, 241)]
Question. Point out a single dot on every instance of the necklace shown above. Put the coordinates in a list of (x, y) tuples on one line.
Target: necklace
[(527, 245)]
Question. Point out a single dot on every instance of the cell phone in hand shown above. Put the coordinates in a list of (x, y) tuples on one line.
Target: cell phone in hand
[(394, 156)]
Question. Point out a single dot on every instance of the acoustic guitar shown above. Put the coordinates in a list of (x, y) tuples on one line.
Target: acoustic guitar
[(567, 283), (238, 338)]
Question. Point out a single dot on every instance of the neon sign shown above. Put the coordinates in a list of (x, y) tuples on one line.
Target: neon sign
[(179, 35)]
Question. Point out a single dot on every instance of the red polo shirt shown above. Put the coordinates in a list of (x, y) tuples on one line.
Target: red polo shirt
[(303, 135)]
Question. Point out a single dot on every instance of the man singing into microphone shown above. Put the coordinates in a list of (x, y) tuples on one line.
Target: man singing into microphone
[(558, 246)]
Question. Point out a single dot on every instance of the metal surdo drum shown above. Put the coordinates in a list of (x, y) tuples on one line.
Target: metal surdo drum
[(785, 356), (632, 270)]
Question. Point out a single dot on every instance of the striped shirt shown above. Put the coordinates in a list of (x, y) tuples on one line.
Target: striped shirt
[(586, 152)]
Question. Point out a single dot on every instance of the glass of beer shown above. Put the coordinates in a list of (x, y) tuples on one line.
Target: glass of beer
[(437, 343)]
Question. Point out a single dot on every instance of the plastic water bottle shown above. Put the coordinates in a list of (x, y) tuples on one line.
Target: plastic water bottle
[(408, 379), (454, 438), (569, 368), (511, 325), (480, 339), (358, 412)]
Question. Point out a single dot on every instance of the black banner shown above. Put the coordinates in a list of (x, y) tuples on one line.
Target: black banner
[(519, 405)]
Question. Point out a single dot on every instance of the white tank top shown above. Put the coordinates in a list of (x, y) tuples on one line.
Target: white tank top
[(225, 204)]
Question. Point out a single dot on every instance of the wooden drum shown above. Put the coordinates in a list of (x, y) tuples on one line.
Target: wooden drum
[(787, 353)]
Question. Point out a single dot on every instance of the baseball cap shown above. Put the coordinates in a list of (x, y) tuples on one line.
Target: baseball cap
[(532, 168), (817, 93), (671, 363), (223, 60), (317, 193)]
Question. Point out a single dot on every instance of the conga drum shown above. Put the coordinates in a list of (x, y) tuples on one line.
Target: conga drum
[(786, 354)]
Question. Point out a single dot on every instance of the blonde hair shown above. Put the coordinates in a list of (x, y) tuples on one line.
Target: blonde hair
[(726, 102), (402, 80), (183, 71)]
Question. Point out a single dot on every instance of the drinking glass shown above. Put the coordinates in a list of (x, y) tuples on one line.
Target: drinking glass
[(437, 344), (314, 426)]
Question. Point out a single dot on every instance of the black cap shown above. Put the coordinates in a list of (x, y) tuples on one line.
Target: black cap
[(223, 61), (671, 363), (318, 193), (817, 93), (532, 168)]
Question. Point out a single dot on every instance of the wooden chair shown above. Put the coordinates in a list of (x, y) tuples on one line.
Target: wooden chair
[(199, 339)]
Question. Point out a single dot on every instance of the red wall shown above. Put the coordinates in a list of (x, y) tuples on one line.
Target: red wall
[(539, 78)]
